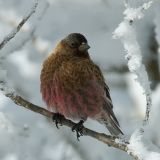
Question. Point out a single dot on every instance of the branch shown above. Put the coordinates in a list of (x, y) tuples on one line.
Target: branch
[(111, 141), (17, 29), (29, 35), (126, 32), (121, 69)]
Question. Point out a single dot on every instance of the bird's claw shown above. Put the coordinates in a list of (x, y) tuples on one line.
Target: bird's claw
[(57, 118), (78, 128)]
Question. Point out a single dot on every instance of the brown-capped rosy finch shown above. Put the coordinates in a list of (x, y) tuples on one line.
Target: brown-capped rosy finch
[(73, 85)]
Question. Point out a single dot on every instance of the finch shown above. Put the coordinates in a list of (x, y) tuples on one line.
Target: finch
[(73, 85)]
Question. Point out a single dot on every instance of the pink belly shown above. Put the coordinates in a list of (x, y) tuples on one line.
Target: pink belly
[(74, 104)]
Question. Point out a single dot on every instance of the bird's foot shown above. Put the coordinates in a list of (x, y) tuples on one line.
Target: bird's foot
[(78, 128), (57, 118)]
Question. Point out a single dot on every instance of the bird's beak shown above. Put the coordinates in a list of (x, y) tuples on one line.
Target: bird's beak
[(83, 47)]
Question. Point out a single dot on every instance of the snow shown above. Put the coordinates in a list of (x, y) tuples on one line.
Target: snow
[(136, 92), (136, 146), (153, 156), (136, 13), (12, 34), (139, 146), (29, 136), (127, 34)]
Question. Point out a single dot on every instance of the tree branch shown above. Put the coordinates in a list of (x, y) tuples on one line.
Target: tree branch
[(29, 34), (17, 29), (111, 141), (126, 32)]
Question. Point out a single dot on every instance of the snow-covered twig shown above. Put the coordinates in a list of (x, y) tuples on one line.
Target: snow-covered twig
[(30, 33), (142, 147), (3, 80), (126, 33), (17, 29)]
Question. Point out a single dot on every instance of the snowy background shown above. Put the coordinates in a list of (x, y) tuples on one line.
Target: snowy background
[(25, 135)]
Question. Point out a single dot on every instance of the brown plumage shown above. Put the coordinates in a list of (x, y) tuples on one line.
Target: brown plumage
[(73, 85)]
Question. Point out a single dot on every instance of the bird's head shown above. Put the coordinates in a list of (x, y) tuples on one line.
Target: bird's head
[(75, 44)]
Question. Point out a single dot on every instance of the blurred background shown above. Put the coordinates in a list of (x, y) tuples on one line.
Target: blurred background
[(25, 135)]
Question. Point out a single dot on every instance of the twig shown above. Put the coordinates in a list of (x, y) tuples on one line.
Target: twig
[(127, 34), (30, 35), (111, 141), (121, 69), (17, 29)]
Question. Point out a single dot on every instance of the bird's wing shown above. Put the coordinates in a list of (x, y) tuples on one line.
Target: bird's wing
[(109, 106)]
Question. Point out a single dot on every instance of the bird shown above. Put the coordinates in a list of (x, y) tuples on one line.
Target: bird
[(72, 85)]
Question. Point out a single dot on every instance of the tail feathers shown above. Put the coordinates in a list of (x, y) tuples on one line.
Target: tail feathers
[(114, 128)]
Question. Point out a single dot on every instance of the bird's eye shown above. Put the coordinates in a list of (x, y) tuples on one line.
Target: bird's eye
[(73, 45)]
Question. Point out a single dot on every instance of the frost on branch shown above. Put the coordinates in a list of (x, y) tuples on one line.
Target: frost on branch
[(142, 147), (16, 30), (132, 14), (4, 87), (126, 33)]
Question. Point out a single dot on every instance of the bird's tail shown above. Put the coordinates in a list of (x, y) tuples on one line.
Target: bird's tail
[(113, 128), (112, 125)]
